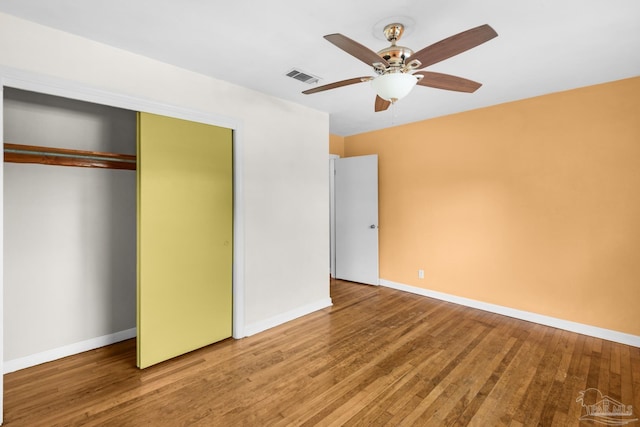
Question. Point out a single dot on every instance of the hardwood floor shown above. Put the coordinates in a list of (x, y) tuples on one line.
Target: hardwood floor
[(377, 357)]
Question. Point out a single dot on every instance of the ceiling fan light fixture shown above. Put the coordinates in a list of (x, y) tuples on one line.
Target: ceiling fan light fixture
[(394, 86)]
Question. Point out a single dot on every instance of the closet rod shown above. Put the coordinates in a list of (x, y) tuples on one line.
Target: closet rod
[(16, 153)]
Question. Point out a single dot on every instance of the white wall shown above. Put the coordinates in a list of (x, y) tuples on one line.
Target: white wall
[(70, 233), (285, 199)]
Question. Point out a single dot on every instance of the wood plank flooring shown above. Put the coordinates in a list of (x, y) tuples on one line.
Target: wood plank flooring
[(377, 357)]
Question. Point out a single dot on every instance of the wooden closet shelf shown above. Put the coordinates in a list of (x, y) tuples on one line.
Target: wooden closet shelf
[(17, 153)]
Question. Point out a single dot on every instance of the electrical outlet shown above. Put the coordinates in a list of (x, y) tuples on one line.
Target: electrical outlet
[(420, 274)]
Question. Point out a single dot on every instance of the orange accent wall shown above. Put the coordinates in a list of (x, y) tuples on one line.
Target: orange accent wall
[(533, 204), (336, 145)]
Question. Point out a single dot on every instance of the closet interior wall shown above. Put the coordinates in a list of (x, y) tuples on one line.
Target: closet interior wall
[(69, 232)]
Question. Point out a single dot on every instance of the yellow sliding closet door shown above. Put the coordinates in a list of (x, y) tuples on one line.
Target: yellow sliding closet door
[(185, 235)]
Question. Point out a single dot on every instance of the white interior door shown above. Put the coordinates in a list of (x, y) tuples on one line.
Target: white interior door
[(356, 210), (332, 215)]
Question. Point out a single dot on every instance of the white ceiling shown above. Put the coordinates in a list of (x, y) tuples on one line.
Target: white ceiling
[(543, 46)]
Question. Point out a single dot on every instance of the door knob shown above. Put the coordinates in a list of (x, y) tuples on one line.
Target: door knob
[(372, 226)]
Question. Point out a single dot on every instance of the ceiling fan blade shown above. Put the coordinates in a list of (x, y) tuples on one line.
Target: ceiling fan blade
[(447, 82), (338, 84), (354, 48), (453, 45), (381, 104)]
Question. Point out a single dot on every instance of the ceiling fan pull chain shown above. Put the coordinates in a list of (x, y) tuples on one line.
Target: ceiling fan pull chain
[(393, 114)]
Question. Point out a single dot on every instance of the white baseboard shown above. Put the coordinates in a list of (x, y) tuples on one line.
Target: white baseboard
[(567, 325), (272, 322), (67, 350), (90, 344)]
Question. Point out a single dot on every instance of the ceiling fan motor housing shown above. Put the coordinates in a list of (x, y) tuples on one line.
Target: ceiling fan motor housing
[(394, 55)]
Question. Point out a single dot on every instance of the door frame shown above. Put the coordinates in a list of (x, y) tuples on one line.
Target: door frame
[(34, 82)]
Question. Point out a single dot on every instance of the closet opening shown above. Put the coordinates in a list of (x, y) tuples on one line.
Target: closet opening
[(69, 226)]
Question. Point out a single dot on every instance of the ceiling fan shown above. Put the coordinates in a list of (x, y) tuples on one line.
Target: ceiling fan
[(395, 64)]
